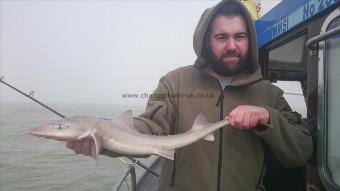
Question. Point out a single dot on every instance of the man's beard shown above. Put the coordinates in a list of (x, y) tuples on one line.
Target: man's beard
[(221, 67)]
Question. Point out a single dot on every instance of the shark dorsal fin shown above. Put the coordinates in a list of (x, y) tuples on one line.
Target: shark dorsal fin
[(125, 120), (125, 117), (201, 122)]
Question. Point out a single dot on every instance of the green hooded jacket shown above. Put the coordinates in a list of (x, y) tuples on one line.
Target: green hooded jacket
[(235, 160)]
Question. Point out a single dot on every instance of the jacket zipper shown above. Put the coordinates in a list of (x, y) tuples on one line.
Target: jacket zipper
[(260, 179), (173, 172), (220, 148)]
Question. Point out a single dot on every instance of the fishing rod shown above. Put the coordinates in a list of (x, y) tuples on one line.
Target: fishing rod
[(30, 97), (63, 116)]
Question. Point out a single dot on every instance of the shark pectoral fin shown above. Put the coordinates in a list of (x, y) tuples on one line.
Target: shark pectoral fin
[(169, 154), (94, 154), (209, 137), (97, 144), (82, 136)]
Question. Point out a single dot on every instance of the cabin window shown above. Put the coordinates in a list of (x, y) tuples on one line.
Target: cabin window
[(288, 56), (332, 103), (286, 62)]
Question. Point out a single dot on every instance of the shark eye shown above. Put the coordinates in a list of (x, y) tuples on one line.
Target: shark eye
[(59, 126)]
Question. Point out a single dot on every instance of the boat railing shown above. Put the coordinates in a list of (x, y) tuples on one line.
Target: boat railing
[(322, 37), (129, 171), (148, 180)]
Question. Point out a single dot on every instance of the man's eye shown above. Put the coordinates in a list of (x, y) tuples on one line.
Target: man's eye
[(240, 37), (221, 38)]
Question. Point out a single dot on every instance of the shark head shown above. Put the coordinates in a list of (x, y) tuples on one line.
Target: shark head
[(67, 129)]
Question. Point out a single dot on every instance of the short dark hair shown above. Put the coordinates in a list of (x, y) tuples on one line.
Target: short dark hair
[(230, 10)]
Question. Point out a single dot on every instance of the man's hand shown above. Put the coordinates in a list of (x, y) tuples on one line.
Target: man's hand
[(247, 117), (85, 146)]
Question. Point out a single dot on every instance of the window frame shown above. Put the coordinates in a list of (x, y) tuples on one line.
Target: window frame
[(322, 141)]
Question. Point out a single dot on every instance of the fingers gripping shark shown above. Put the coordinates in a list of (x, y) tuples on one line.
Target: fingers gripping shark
[(120, 136)]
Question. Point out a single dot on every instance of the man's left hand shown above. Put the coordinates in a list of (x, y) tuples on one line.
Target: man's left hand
[(248, 117)]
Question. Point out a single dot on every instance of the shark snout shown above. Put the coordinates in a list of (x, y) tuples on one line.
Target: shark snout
[(38, 131), (57, 133), (48, 133)]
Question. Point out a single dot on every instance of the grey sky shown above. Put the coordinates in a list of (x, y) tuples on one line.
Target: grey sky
[(93, 51)]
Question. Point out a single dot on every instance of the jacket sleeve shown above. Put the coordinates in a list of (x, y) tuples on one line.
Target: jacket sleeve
[(159, 116), (287, 135)]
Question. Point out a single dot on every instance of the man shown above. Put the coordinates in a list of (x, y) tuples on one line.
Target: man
[(224, 82)]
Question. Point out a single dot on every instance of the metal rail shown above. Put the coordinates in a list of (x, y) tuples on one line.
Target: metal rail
[(143, 166), (130, 170), (322, 37)]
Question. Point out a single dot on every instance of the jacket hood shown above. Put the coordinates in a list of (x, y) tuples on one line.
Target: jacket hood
[(201, 30)]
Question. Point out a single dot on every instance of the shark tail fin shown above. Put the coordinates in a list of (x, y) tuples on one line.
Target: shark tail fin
[(201, 122), (169, 154)]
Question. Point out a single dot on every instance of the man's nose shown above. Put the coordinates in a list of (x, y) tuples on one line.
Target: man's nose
[(231, 45)]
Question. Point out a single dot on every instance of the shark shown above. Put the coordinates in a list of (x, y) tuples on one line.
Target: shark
[(119, 135)]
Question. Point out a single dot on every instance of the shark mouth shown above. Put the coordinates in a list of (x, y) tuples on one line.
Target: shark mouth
[(39, 132)]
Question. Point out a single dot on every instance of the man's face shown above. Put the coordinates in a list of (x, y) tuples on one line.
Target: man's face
[(229, 44)]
